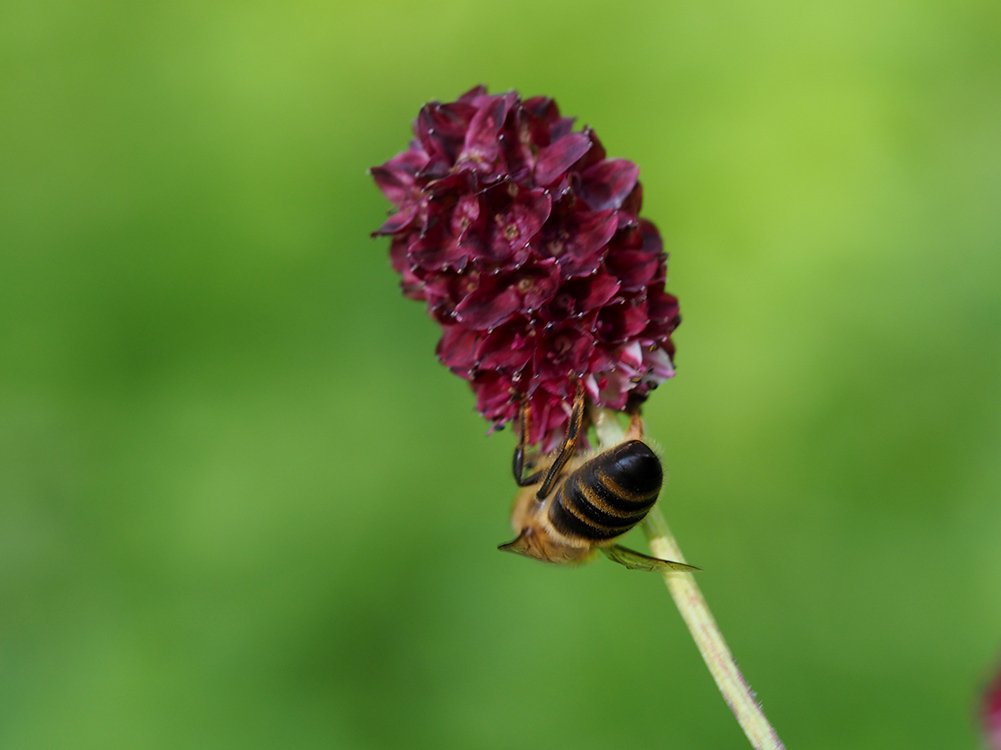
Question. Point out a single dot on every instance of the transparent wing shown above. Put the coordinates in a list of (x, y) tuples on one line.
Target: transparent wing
[(638, 561)]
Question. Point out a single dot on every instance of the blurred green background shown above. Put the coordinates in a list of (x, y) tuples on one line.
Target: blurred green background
[(241, 505)]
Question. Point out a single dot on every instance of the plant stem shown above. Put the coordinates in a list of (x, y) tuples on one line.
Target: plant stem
[(731, 683)]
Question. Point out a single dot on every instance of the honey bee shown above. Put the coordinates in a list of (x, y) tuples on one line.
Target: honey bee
[(574, 506)]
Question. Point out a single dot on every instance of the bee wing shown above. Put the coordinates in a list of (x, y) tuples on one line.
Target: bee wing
[(638, 561)]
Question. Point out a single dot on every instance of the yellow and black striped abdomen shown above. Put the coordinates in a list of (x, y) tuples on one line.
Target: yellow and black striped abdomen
[(609, 494)]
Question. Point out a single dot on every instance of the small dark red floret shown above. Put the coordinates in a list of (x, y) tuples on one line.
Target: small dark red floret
[(525, 243), (991, 713)]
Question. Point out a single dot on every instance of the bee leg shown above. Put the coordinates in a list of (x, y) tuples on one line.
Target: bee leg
[(569, 444), (635, 429), (638, 561), (518, 462), (518, 466)]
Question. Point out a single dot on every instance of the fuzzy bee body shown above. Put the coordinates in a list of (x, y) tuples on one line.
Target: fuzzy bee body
[(574, 506), (607, 495), (598, 500)]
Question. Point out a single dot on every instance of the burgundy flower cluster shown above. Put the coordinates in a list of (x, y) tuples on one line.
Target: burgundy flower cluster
[(991, 713), (526, 244)]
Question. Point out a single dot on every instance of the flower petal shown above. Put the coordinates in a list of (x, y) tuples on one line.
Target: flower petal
[(438, 249), (457, 348), (540, 116), (474, 94), (398, 221), (558, 157), (410, 283), (465, 216), (634, 201), (631, 355), (634, 268), (488, 306), (397, 176), (441, 129), (481, 147), (582, 295), (618, 323), (516, 219), (537, 284), (579, 243), (608, 183), (659, 363), (508, 348), (494, 397), (597, 153)]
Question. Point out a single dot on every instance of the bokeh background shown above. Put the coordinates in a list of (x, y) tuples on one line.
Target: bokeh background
[(241, 505)]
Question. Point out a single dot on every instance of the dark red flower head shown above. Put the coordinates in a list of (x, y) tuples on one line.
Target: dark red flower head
[(526, 244), (991, 713)]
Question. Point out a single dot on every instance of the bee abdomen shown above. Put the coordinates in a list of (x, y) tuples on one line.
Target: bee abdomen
[(631, 471), (609, 494)]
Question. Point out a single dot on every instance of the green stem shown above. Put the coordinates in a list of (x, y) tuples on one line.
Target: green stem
[(706, 633)]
